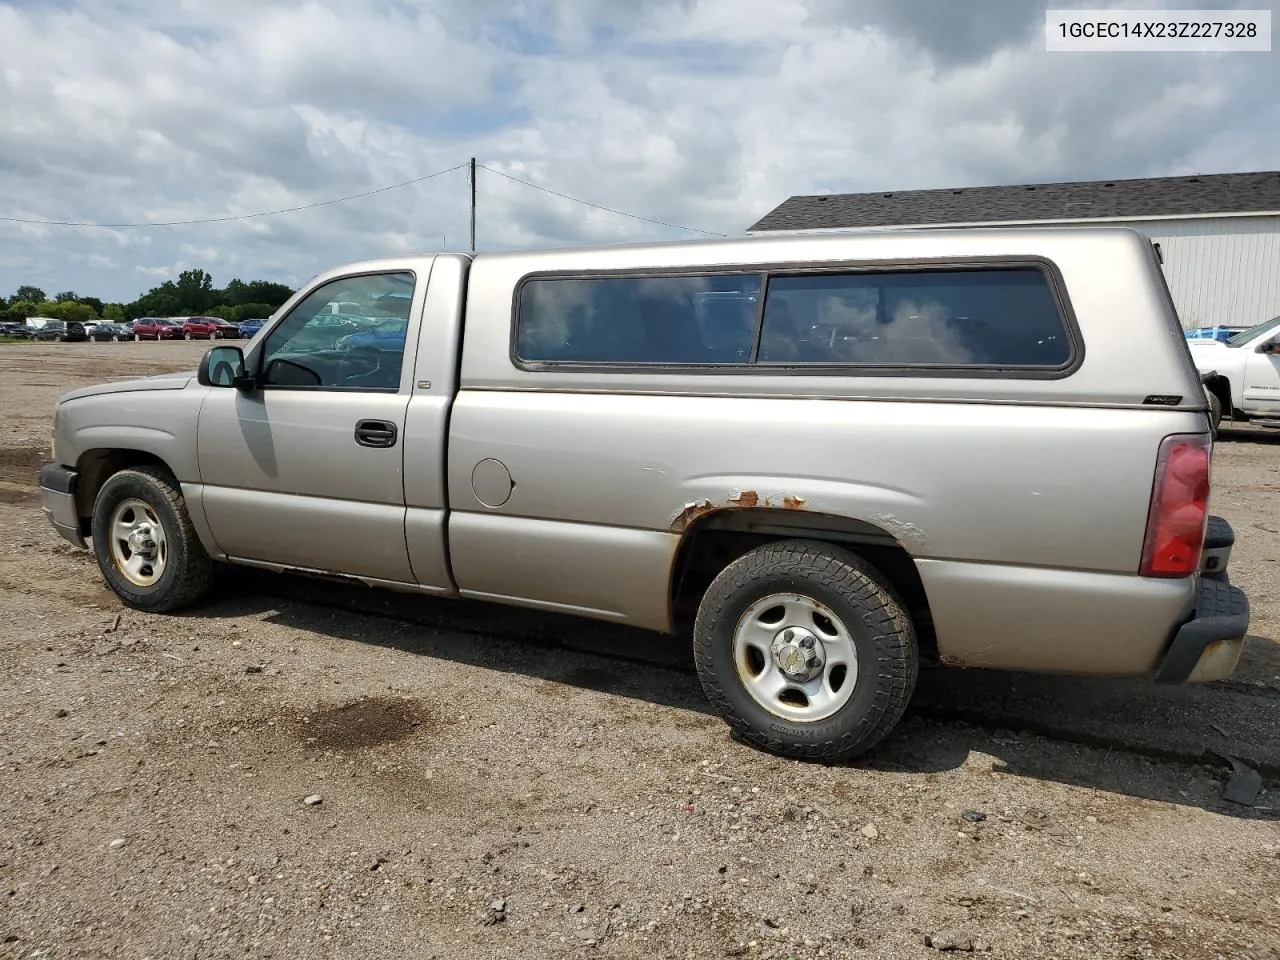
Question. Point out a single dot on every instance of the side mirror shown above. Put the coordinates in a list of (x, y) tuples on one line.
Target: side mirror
[(223, 367), (1270, 346)]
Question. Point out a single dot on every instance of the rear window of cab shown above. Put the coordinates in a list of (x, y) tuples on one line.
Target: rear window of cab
[(964, 318)]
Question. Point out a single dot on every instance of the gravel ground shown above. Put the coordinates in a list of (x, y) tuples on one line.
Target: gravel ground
[(304, 771)]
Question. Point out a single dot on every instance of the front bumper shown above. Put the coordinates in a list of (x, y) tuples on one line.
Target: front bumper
[(58, 493), (1208, 646)]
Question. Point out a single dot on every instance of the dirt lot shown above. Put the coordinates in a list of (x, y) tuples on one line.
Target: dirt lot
[(499, 784)]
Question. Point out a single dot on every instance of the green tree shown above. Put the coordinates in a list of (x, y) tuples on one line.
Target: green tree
[(195, 291), (65, 310), (19, 310), (263, 291), (33, 294), (254, 311), (67, 296), (114, 313)]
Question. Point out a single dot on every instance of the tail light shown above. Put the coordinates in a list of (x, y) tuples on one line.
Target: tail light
[(1179, 509)]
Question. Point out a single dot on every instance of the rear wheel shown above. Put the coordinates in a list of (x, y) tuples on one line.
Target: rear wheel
[(804, 650), (145, 544)]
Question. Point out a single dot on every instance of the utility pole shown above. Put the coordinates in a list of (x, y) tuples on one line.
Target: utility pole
[(473, 204)]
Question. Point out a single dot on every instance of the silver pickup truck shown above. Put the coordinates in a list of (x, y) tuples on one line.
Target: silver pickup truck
[(827, 458)]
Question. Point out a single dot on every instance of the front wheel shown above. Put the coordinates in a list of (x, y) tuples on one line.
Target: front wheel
[(806, 651), (145, 544), (137, 338)]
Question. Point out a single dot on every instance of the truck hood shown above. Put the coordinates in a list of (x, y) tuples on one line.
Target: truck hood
[(161, 381)]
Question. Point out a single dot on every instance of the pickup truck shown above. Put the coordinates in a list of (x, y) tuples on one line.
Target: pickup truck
[(823, 458), (1242, 374)]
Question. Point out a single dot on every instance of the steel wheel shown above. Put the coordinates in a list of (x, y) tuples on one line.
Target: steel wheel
[(138, 545), (795, 657)]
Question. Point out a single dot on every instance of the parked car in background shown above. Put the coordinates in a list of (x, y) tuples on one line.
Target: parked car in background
[(978, 474), (1242, 374), (209, 328), (157, 328), (249, 328), (111, 331), (16, 331), (387, 335), (64, 331)]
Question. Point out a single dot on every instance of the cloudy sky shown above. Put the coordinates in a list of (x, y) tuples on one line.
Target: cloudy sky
[(703, 113)]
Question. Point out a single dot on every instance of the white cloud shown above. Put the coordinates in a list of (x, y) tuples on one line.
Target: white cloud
[(697, 112)]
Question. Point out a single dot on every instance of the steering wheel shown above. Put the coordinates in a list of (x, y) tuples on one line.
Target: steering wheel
[(357, 364)]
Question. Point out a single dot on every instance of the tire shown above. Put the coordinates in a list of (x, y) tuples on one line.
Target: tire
[(216, 335), (187, 571), (848, 594), (187, 336), (137, 337)]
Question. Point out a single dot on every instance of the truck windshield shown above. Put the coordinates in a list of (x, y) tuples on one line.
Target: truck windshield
[(1240, 339)]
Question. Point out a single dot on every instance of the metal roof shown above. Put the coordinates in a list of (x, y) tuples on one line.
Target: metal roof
[(1222, 193)]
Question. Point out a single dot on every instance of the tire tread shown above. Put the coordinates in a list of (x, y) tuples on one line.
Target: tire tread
[(195, 568), (858, 583)]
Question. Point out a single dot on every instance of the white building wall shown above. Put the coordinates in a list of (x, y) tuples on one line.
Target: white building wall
[(1220, 269)]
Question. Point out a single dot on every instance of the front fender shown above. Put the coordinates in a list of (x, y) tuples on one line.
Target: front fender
[(162, 425)]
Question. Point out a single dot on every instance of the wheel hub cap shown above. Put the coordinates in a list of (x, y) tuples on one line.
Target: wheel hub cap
[(142, 541), (798, 653), (137, 539)]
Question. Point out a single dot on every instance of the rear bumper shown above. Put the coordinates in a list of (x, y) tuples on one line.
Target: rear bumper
[(58, 495), (1047, 620), (1219, 538), (1207, 647)]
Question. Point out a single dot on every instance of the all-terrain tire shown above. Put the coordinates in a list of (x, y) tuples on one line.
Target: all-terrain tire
[(188, 572), (876, 619)]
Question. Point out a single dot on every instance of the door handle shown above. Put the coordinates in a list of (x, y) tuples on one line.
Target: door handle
[(376, 433)]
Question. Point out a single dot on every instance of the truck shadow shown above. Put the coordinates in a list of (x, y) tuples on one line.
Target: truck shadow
[(1124, 736), (1247, 433)]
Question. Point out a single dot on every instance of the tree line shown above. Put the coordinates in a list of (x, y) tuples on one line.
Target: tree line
[(192, 294)]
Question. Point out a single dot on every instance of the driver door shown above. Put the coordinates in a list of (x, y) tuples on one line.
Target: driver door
[(1262, 374), (307, 470)]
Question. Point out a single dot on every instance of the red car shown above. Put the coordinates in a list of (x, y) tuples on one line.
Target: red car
[(156, 328), (209, 328)]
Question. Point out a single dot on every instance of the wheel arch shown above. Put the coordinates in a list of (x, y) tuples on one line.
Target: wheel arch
[(1220, 386), (716, 538), (94, 467)]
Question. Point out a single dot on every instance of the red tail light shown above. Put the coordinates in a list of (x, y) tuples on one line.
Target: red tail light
[(1179, 507)]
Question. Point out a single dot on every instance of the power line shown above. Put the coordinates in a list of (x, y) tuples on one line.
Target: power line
[(623, 213), (242, 216)]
